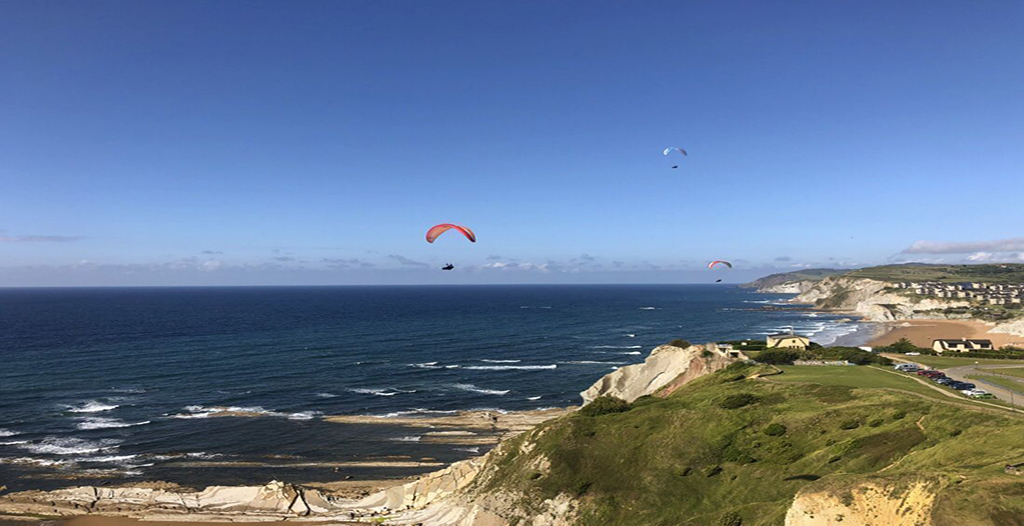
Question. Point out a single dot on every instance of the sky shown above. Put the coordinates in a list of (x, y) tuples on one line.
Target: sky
[(314, 142)]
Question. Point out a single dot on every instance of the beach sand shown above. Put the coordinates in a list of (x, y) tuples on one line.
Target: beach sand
[(922, 332)]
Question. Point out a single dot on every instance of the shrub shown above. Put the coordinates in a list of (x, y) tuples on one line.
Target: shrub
[(706, 353), (876, 422), (679, 343), (604, 405), (730, 518), (737, 401), (778, 356), (849, 424), (899, 415), (775, 430)]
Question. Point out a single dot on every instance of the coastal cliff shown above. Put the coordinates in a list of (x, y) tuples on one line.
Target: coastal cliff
[(879, 301), (706, 438), (667, 366)]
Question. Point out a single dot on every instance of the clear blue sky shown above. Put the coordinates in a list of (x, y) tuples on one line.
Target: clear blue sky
[(264, 142)]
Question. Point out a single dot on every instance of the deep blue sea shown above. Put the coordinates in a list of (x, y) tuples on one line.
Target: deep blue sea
[(123, 383)]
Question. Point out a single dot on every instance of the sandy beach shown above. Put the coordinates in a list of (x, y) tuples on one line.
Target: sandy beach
[(922, 332)]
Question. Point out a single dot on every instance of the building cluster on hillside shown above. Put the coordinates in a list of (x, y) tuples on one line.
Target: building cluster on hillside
[(984, 293)]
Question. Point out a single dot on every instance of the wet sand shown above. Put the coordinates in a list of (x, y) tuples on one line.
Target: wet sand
[(922, 332)]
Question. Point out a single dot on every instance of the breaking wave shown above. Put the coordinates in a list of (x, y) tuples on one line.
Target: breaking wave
[(70, 446), (99, 422), (474, 389), (510, 367), (92, 406)]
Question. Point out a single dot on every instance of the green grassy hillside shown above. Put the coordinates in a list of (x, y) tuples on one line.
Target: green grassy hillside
[(728, 447), (1000, 273), (810, 274)]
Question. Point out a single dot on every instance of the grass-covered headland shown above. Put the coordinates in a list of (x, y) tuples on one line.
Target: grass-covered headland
[(730, 448)]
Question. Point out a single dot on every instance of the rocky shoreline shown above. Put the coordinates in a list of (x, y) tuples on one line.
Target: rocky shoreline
[(433, 498)]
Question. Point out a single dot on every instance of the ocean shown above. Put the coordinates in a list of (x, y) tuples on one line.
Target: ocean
[(120, 385)]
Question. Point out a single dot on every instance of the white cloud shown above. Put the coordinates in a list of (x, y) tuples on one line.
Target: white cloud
[(1015, 244)]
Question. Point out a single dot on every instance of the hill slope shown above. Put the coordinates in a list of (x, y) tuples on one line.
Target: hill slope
[(729, 449), (792, 282)]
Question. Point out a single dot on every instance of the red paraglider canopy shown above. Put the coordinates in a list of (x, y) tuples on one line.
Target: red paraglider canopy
[(719, 262), (437, 230)]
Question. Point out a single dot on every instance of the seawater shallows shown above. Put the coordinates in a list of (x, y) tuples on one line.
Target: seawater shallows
[(130, 384)]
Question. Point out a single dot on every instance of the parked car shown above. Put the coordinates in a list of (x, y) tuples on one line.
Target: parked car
[(944, 381), (925, 372), (906, 367), (959, 386), (932, 374), (968, 385), (913, 354), (983, 395)]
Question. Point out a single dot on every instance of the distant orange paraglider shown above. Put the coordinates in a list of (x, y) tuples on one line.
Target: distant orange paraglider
[(719, 262), (437, 230)]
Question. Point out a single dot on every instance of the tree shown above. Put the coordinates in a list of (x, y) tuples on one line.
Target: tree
[(903, 346)]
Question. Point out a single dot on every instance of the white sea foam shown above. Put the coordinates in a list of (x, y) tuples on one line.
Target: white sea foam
[(633, 353), (425, 365), (406, 439), (7, 433), (70, 446), (416, 411), (452, 366), (755, 301), (501, 361), (474, 389), (617, 347), (114, 459), (592, 362), (99, 422), (92, 406), (377, 392), (304, 415), (510, 367), (468, 449), (13, 442), (531, 398), (630, 335), (326, 395), (33, 461), (198, 411), (648, 308)]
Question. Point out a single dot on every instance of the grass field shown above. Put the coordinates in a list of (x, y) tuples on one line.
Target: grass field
[(863, 377), (1005, 383), (1013, 371), (1008, 273), (942, 362)]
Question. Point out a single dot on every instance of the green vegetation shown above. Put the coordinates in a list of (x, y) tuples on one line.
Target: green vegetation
[(679, 343), (944, 362), (811, 274), (693, 459), (1005, 383), (997, 273), (604, 405), (1012, 371), (850, 354)]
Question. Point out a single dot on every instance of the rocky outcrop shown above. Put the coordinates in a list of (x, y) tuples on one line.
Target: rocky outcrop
[(789, 287), (667, 365), (864, 505)]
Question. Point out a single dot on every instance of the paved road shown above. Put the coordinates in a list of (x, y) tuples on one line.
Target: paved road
[(962, 372)]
